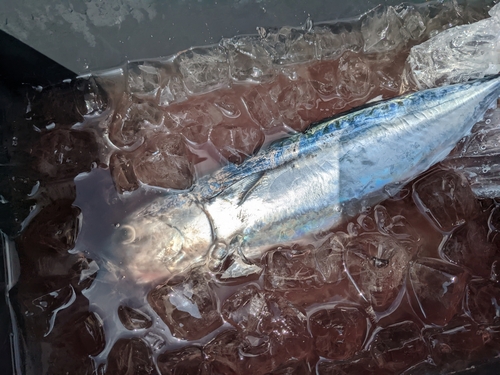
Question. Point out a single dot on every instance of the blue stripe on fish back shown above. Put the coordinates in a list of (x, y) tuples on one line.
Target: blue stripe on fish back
[(317, 136)]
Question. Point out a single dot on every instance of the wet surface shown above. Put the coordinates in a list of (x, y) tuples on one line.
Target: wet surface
[(410, 284)]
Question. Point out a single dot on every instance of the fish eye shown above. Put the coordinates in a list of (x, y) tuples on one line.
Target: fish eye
[(125, 234)]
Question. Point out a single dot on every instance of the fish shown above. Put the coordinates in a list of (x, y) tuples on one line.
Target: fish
[(299, 187)]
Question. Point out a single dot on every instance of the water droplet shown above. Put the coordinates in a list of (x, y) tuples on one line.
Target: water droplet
[(262, 32), (309, 24)]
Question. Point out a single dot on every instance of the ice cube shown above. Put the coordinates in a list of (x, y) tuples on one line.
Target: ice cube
[(65, 361), (133, 121), (230, 106), (469, 247), (188, 360), (328, 44), (352, 38), (261, 108), (172, 91), (444, 15), (456, 345), (293, 367), (162, 161), (398, 346), (438, 289), (396, 226), (195, 119), (329, 259), (54, 230), (422, 368), (133, 318), (494, 224), (234, 353), (458, 54), (491, 338), (147, 116), (144, 78), (377, 265), (414, 23), (222, 354), (483, 301), (82, 331), (249, 59), (339, 331), (243, 308), (299, 45), (445, 198), (204, 69), (334, 39), (46, 307), (187, 305), (354, 77), (130, 356), (296, 103), (72, 269), (324, 80), (77, 334), (122, 171), (389, 80), (66, 104), (289, 269), (381, 31), (272, 329), (288, 45), (120, 131), (236, 142), (63, 154), (361, 365)]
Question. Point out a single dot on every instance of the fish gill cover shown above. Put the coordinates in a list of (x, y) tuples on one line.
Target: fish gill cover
[(409, 285)]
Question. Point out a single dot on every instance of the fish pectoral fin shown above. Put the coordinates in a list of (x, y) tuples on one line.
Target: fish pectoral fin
[(248, 185), (237, 264), (239, 268)]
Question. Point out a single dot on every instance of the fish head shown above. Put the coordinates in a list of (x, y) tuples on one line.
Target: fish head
[(166, 237)]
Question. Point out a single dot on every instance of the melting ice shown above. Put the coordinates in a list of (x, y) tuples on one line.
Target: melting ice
[(393, 290)]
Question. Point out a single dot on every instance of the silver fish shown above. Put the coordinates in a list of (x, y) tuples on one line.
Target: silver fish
[(303, 185)]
